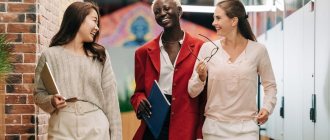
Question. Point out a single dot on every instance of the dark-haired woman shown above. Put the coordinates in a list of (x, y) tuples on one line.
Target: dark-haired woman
[(231, 111), (83, 73)]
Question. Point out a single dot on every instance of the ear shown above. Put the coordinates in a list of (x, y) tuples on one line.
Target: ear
[(180, 11), (234, 21)]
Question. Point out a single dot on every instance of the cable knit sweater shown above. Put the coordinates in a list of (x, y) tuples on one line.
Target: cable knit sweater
[(81, 77)]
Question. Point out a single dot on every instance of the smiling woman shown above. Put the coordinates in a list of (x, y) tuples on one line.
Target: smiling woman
[(86, 105)]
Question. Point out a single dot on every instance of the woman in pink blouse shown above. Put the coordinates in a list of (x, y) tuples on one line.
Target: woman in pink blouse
[(231, 66)]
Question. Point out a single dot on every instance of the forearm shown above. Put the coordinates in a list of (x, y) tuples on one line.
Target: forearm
[(195, 86)]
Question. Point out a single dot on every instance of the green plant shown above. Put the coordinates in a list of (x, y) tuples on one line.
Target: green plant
[(5, 66)]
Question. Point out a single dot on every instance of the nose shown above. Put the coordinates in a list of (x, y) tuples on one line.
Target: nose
[(96, 28), (213, 23)]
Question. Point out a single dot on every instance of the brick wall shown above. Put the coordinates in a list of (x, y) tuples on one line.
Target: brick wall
[(29, 26)]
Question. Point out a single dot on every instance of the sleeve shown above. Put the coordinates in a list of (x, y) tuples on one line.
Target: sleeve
[(139, 93), (202, 101), (268, 81), (41, 97), (112, 111), (195, 85)]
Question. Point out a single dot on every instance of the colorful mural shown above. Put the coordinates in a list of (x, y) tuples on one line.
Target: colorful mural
[(125, 30)]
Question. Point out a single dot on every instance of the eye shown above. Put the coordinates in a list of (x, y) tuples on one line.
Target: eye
[(216, 18), (156, 11), (166, 8)]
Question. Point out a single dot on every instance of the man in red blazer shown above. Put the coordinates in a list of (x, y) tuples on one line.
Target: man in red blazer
[(169, 59)]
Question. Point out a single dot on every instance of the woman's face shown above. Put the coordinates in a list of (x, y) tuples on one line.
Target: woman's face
[(167, 13), (89, 27), (222, 23)]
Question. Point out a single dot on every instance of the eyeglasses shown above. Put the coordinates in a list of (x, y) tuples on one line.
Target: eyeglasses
[(213, 52)]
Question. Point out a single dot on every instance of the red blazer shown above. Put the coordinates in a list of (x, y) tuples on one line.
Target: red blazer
[(187, 114)]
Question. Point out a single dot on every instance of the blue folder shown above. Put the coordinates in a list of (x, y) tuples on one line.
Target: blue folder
[(159, 109)]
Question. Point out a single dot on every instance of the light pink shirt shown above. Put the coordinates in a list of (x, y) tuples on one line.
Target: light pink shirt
[(232, 86)]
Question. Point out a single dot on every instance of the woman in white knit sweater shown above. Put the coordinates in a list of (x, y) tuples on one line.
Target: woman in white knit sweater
[(86, 106), (232, 65)]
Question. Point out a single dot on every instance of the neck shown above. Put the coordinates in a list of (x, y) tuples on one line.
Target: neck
[(233, 40), (172, 34), (75, 45)]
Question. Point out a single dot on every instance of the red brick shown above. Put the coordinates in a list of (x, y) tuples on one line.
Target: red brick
[(13, 119), (14, 37), (26, 88), (28, 78), (24, 68), (12, 17), (30, 99), (29, 58), (12, 137), (3, 7), (21, 28), (24, 48), (31, 18), (29, 38), (21, 7), (19, 109), (16, 58), (27, 137), (14, 79), (28, 119), (2, 28), (14, 0), (15, 99), (29, 1), (20, 129)]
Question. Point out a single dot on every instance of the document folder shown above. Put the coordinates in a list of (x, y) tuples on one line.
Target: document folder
[(159, 109), (48, 80)]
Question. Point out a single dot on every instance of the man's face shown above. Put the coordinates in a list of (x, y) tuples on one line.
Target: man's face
[(167, 13)]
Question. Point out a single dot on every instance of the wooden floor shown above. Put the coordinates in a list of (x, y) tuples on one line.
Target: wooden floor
[(130, 124)]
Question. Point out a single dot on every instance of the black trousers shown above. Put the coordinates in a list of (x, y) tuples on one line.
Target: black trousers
[(165, 129)]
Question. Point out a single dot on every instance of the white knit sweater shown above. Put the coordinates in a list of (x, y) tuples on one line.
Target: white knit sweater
[(81, 77)]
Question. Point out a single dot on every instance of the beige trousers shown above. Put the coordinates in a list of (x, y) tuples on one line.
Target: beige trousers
[(78, 121), (240, 130)]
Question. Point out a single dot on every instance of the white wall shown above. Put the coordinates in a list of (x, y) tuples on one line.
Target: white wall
[(300, 56)]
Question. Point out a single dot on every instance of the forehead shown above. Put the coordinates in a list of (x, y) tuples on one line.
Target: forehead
[(160, 3), (219, 11), (92, 13)]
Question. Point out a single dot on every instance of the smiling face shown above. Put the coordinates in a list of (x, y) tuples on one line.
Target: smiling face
[(167, 13), (89, 27), (222, 23)]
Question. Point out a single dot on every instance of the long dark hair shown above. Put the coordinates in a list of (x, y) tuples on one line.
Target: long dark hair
[(73, 17), (235, 8)]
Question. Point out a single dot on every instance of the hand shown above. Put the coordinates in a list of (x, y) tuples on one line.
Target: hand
[(144, 109), (262, 116), (202, 70), (58, 101)]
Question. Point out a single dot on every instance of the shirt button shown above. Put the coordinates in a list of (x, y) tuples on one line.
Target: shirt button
[(174, 84), (173, 99), (176, 69), (172, 113)]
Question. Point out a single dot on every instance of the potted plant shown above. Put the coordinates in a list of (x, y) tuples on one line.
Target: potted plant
[(5, 66)]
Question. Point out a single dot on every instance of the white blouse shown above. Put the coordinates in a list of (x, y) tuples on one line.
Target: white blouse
[(232, 86)]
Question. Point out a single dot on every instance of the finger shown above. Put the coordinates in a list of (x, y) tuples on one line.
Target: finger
[(148, 103), (146, 108)]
